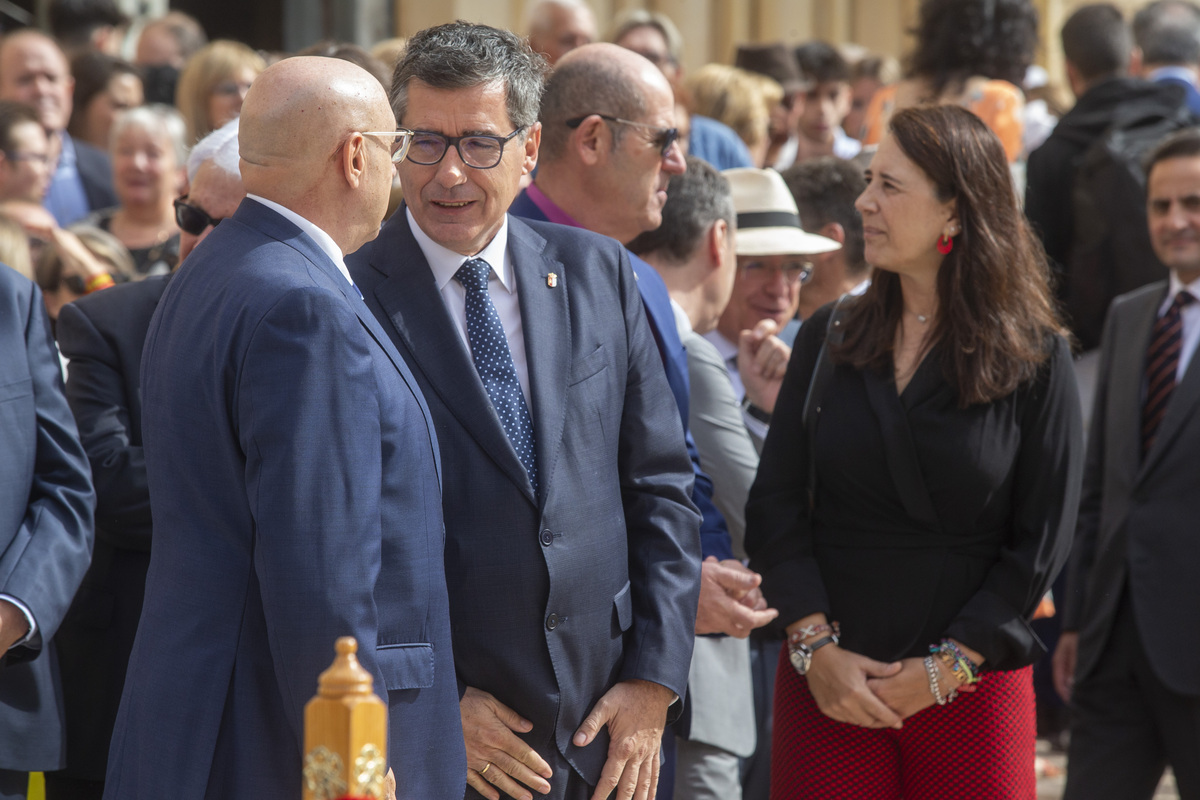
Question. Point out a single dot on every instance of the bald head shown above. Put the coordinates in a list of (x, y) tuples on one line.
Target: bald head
[(300, 143), (598, 78), (34, 71)]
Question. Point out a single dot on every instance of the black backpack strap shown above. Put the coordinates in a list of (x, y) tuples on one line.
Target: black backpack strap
[(834, 332)]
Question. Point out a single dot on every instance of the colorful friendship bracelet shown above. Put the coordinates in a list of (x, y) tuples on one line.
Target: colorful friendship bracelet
[(963, 668), (809, 631)]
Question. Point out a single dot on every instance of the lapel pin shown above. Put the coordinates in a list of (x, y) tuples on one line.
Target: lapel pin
[(552, 280)]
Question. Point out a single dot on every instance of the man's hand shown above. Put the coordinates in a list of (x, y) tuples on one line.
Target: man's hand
[(762, 361), (13, 626), (635, 713), (730, 600), (1063, 663), (496, 758)]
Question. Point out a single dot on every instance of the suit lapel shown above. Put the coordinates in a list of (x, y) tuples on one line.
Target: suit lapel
[(409, 297), (545, 317)]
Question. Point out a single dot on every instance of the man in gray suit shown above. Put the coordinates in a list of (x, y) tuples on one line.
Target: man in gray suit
[(694, 252), (1129, 656)]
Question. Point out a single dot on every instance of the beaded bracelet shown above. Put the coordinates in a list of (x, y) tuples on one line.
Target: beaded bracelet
[(964, 669), (809, 631)]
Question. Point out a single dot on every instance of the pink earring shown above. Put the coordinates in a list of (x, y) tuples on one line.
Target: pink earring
[(945, 244)]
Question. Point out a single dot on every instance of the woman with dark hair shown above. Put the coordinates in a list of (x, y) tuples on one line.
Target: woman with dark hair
[(104, 87), (908, 516), (971, 53)]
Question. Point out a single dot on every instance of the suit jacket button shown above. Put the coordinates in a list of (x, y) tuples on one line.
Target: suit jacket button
[(552, 622), (547, 537)]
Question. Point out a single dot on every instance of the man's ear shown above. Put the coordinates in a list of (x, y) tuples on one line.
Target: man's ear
[(592, 140), (718, 243), (353, 156), (835, 231), (533, 143)]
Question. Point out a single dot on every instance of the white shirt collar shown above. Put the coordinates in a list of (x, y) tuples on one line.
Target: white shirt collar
[(1177, 286), (322, 239), (444, 262)]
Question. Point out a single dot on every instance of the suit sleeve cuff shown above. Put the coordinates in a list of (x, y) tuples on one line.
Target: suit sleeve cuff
[(24, 609)]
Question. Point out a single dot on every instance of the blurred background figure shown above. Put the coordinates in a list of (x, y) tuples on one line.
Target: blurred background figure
[(739, 99), (78, 261), (655, 38), (777, 62), (33, 70), (868, 74), (24, 154), (825, 191), (972, 53), (213, 85), (826, 104), (104, 87), (1168, 34), (88, 25), (389, 51), (347, 51), (163, 47), (148, 156), (556, 27)]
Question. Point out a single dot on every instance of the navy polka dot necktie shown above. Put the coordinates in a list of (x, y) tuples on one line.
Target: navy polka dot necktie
[(494, 363)]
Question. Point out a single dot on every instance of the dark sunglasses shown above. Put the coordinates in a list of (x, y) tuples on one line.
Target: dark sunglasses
[(192, 219), (663, 137)]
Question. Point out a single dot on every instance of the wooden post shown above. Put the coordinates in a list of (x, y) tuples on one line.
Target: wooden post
[(345, 733)]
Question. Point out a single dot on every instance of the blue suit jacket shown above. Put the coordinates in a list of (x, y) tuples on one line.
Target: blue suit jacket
[(46, 505), (556, 597), (294, 485), (714, 534)]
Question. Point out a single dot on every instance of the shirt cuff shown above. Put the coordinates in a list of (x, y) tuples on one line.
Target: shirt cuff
[(755, 426), (24, 609)]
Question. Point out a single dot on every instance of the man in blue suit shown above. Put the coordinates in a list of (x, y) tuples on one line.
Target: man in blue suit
[(293, 475), (46, 505), (572, 550)]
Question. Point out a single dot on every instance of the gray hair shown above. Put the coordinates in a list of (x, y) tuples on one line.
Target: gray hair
[(536, 18), (220, 148), (695, 200), (587, 86), (636, 18), (460, 55), (156, 119)]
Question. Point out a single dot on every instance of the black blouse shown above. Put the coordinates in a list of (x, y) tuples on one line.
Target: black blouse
[(930, 520)]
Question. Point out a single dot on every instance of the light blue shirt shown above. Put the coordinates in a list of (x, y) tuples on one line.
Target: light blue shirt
[(65, 198)]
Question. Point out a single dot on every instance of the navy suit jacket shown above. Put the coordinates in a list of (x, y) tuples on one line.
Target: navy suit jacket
[(294, 486), (102, 335), (714, 533), (555, 597), (46, 505)]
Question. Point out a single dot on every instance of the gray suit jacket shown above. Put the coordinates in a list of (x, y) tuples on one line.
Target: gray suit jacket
[(720, 691), (1139, 519)]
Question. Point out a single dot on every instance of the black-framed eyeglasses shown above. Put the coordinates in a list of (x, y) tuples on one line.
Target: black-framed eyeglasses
[(794, 272), (481, 150), (663, 137), (398, 141), (192, 219)]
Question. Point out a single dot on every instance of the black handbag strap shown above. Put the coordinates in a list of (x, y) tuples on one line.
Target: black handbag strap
[(823, 371)]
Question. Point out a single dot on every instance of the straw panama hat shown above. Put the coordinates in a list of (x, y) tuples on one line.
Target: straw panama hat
[(768, 222)]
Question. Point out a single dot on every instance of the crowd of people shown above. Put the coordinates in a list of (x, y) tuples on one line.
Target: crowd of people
[(815, 425)]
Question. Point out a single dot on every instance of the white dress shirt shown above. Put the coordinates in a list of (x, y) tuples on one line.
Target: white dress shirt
[(502, 288), (323, 239), (1191, 320)]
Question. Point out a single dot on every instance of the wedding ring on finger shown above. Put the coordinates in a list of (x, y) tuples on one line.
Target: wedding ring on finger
[(486, 767)]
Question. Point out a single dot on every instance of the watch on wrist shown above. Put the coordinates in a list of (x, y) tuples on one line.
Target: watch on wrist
[(759, 414), (801, 653)]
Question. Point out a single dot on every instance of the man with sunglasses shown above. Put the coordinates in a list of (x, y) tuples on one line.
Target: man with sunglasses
[(572, 553), (292, 469)]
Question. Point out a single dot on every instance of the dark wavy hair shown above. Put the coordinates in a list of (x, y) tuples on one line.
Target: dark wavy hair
[(957, 39), (996, 312)]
